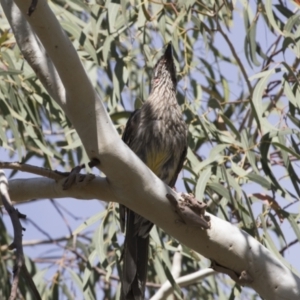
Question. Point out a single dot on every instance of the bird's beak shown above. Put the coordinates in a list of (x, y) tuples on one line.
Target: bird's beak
[(169, 52)]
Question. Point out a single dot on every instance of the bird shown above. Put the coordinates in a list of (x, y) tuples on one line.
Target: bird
[(157, 134)]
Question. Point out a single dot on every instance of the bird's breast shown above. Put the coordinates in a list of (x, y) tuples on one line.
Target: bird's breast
[(160, 143)]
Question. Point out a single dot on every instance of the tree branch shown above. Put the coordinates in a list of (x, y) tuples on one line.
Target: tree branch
[(166, 289), (23, 190), (235, 55), (20, 266)]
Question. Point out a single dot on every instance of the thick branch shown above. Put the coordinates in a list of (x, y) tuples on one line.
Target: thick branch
[(22, 190)]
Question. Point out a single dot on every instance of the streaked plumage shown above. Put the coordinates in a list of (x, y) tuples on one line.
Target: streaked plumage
[(157, 134)]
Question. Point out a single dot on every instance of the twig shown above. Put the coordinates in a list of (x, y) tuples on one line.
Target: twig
[(69, 213), (47, 241), (104, 273), (166, 289), (32, 169), (70, 177), (288, 246), (176, 265), (62, 216), (235, 55)]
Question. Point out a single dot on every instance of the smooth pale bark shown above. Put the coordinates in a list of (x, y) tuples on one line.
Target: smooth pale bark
[(133, 184), (23, 190), (166, 289)]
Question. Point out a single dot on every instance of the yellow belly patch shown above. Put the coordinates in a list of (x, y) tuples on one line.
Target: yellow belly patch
[(155, 161)]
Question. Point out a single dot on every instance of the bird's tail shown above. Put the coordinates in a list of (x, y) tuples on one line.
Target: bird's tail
[(135, 257)]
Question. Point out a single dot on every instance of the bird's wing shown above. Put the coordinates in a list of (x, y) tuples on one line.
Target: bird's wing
[(179, 167), (131, 127), (137, 235), (128, 135)]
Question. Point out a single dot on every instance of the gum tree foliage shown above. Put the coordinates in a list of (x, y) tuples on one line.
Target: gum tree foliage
[(237, 64)]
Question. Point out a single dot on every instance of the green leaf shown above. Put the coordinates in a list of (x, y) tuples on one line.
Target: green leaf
[(287, 149), (290, 95), (263, 181), (162, 23), (168, 274), (218, 188), (213, 156), (82, 37), (275, 24), (67, 292), (231, 126), (256, 102), (10, 72), (113, 10), (201, 183), (247, 144), (88, 269), (250, 39), (95, 218), (292, 21), (294, 225), (253, 220), (270, 245), (238, 170), (76, 279)]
